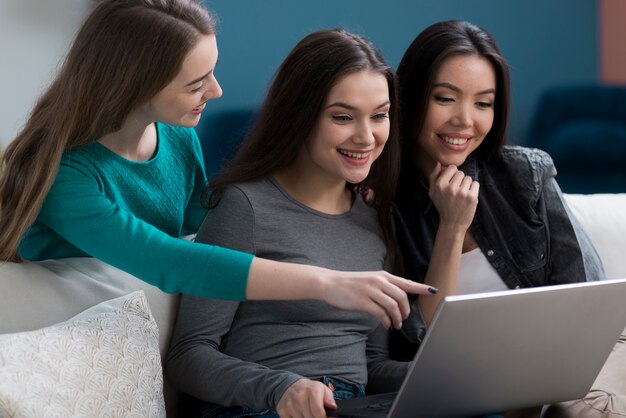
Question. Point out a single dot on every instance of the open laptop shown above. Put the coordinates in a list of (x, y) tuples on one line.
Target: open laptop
[(493, 352)]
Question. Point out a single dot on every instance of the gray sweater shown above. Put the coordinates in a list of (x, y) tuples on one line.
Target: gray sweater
[(248, 354)]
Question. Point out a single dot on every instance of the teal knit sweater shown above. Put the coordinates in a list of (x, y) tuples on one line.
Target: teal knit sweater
[(131, 215)]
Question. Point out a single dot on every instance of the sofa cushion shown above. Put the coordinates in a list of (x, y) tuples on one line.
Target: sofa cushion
[(103, 362)]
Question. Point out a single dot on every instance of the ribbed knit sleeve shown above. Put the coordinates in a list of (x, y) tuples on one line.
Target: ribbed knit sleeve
[(131, 215)]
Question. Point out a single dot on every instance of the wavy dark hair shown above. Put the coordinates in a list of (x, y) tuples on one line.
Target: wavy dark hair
[(289, 113), (419, 66), (125, 52)]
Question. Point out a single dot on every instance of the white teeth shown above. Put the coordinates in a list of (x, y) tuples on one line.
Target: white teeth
[(355, 155), (454, 141)]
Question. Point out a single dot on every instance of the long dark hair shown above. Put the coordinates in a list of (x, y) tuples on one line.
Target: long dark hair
[(418, 69), (125, 52), (290, 112)]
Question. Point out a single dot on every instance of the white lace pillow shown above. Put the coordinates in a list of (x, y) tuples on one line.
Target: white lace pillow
[(104, 362)]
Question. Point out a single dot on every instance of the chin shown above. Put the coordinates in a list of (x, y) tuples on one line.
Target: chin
[(189, 124), (355, 179), (452, 161)]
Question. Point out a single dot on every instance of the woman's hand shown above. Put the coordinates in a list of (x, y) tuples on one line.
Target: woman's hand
[(455, 196), (378, 293), (306, 398)]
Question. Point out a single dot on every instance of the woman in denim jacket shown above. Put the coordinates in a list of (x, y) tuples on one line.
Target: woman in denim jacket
[(495, 211)]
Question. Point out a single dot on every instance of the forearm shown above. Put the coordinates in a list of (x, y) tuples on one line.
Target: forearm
[(86, 220), (455, 196), (215, 377), (383, 373), (386, 376), (273, 280), (195, 362), (443, 269), (376, 292)]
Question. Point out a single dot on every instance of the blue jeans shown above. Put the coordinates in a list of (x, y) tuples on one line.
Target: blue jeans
[(342, 390)]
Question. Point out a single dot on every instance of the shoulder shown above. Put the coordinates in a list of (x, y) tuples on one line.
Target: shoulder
[(249, 194), (82, 162), (229, 221), (233, 195), (534, 158), (261, 193), (526, 161)]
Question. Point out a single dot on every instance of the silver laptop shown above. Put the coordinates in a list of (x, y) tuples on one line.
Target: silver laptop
[(493, 352)]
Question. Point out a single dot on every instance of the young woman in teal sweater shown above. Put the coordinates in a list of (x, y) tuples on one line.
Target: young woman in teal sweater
[(108, 166)]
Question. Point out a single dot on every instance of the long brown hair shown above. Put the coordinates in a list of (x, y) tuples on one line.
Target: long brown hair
[(125, 52), (419, 66), (290, 112)]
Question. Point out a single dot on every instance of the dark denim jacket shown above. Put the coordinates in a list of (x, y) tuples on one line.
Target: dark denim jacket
[(522, 225)]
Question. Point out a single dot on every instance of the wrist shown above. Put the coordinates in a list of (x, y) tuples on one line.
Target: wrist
[(452, 230), (321, 284)]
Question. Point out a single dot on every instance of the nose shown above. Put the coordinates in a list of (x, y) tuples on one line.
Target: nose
[(463, 115), (214, 91), (364, 134)]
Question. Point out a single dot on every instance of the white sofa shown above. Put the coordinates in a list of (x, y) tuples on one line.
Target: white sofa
[(43, 294)]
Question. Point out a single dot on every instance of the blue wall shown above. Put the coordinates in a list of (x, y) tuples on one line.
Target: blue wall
[(546, 42)]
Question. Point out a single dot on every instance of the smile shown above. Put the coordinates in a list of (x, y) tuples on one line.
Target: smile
[(454, 141), (354, 155), (199, 108)]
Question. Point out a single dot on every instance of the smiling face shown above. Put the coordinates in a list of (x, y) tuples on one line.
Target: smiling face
[(460, 112), (351, 130), (181, 102)]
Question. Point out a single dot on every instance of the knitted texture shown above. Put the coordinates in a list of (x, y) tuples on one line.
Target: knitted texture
[(130, 215)]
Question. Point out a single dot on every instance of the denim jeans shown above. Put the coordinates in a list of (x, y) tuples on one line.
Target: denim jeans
[(342, 390)]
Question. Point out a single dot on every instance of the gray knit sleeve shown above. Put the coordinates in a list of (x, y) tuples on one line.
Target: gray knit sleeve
[(195, 364), (383, 374)]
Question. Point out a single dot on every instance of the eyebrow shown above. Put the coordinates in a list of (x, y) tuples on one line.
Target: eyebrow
[(458, 90), (350, 107), (199, 79)]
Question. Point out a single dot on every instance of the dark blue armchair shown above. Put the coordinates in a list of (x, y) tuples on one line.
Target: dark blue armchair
[(583, 128), (220, 134)]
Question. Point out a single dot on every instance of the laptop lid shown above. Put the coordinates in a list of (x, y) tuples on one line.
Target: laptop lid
[(493, 352)]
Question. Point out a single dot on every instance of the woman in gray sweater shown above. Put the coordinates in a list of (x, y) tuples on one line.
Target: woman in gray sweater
[(326, 130)]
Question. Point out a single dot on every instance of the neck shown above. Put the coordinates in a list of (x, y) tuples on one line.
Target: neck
[(323, 195), (135, 141)]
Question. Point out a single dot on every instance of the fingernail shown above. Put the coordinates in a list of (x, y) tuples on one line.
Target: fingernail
[(399, 326), (433, 290)]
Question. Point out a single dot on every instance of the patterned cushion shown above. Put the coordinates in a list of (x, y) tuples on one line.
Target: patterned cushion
[(104, 362)]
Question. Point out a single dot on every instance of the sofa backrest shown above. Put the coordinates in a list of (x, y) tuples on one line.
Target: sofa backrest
[(602, 217)]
